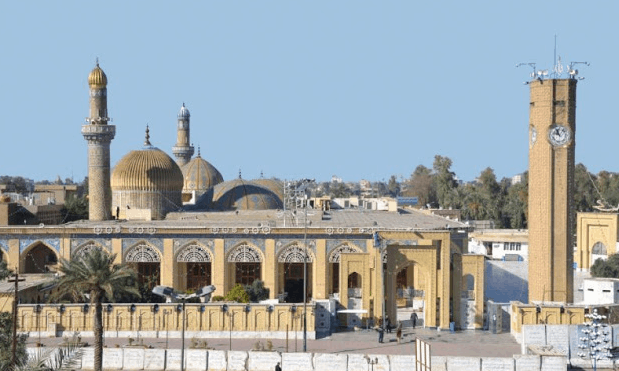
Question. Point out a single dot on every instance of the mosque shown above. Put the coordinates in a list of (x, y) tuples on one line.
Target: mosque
[(181, 225)]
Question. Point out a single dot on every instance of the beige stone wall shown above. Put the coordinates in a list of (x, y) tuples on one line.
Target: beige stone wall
[(551, 185), (200, 317), (592, 228), (527, 314)]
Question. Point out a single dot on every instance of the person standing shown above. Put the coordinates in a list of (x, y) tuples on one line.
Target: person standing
[(414, 319), (278, 367), (381, 333), (387, 324), (398, 332)]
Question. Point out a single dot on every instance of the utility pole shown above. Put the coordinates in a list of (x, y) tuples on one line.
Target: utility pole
[(15, 300)]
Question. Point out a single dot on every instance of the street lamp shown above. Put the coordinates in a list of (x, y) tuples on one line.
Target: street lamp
[(371, 361), (596, 342), (168, 293)]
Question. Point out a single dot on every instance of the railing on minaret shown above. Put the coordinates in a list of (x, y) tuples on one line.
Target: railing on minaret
[(99, 136), (183, 150)]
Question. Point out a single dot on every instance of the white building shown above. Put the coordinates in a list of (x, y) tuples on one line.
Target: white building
[(500, 244), (601, 290)]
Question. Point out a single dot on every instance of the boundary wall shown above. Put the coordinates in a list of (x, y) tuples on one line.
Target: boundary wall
[(131, 358)]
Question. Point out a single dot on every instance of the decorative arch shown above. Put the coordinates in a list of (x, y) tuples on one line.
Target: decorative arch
[(142, 253), (194, 253), (86, 248), (295, 253), (599, 249), (244, 253), (38, 257), (334, 256)]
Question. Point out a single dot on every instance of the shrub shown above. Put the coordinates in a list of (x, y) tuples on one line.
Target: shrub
[(237, 294)]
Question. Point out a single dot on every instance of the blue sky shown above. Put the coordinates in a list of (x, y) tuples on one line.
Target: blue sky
[(298, 89)]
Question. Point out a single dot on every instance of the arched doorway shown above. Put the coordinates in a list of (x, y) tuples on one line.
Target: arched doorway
[(147, 264), (598, 251), (194, 263), (40, 259), (245, 263), (334, 265), (291, 261)]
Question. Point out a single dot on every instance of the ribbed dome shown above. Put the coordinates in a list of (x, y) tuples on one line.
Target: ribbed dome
[(272, 185), (97, 77), (200, 175), (183, 113), (240, 194), (149, 169)]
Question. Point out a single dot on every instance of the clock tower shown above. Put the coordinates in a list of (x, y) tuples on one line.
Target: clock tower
[(552, 128)]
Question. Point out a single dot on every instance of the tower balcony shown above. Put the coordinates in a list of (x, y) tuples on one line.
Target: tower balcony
[(183, 151), (98, 133)]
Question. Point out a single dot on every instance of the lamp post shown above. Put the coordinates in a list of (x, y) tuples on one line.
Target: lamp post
[(371, 361), (595, 343), (168, 292)]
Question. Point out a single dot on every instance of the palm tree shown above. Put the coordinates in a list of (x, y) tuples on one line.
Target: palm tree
[(63, 358), (96, 274)]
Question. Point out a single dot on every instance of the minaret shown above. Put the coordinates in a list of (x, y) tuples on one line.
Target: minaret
[(552, 128), (99, 136), (182, 150)]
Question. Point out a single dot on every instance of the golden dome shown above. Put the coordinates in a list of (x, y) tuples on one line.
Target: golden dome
[(200, 175), (97, 77), (149, 169)]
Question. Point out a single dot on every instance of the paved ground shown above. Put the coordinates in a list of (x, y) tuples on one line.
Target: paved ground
[(444, 343)]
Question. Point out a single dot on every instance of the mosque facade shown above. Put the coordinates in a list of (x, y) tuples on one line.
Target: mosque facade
[(181, 225)]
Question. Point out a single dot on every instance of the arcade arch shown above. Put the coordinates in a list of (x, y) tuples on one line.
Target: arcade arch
[(334, 264), (194, 265), (39, 258), (598, 251), (147, 262), (244, 265), (291, 265)]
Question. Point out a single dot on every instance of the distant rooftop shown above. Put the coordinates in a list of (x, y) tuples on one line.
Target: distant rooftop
[(404, 219)]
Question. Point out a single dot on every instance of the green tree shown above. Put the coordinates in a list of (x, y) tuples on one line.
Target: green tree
[(339, 190), (445, 182), (606, 268), (421, 186), (585, 194), (75, 208), (515, 208), (63, 358), (95, 274), (6, 342), (4, 270), (237, 294), (393, 186)]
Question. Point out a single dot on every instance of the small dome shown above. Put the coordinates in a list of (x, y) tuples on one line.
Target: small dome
[(273, 185), (149, 169), (240, 194), (97, 77), (183, 113), (200, 175)]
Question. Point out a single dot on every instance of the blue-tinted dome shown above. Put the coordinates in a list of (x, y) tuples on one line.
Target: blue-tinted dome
[(240, 194), (183, 113)]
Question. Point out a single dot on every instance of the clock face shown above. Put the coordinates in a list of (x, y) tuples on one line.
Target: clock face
[(533, 136), (559, 135)]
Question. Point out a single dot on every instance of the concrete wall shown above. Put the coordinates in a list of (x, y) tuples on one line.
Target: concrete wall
[(132, 358)]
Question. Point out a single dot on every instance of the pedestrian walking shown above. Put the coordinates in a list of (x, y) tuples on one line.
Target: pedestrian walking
[(278, 367), (398, 332), (414, 319), (381, 333)]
